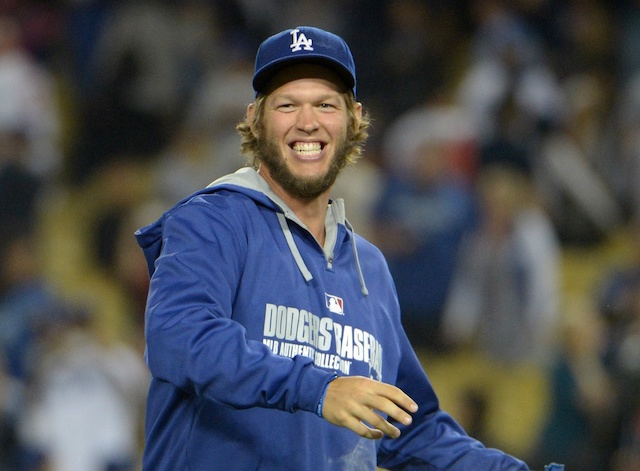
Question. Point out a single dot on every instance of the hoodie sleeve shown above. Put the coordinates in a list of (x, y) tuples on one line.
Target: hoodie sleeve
[(435, 441), (196, 256)]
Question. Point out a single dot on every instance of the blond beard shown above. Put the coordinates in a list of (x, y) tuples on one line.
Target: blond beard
[(300, 187)]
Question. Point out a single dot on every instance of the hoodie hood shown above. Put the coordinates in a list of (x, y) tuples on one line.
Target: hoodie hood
[(249, 182)]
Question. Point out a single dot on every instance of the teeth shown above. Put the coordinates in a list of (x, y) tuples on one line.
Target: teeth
[(307, 148)]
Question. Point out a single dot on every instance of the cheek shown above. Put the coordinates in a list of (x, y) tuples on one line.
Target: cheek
[(277, 126), (339, 133), (273, 136), (338, 127)]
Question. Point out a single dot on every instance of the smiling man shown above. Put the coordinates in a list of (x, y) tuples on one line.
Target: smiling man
[(273, 331)]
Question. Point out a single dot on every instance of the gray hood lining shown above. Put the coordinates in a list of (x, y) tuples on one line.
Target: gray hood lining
[(248, 177)]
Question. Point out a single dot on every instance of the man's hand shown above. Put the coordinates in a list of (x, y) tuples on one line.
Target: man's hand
[(352, 400)]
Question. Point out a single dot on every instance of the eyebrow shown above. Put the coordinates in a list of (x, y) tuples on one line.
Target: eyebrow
[(318, 99)]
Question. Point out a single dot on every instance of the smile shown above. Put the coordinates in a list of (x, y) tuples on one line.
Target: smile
[(307, 149)]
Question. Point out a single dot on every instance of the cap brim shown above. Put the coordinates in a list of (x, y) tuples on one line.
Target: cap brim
[(266, 73)]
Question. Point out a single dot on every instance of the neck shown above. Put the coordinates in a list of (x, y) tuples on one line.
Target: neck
[(312, 212)]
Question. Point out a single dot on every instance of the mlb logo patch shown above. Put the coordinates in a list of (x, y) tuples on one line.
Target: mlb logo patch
[(335, 304)]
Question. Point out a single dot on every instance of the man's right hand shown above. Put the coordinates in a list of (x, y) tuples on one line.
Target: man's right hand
[(355, 401)]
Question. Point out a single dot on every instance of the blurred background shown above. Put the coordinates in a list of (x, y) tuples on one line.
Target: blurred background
[(501, 180)]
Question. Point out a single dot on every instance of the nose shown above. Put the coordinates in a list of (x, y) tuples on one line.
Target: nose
[(307, 119)]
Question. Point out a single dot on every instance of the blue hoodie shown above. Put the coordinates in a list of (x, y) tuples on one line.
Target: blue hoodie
[(249, 318)]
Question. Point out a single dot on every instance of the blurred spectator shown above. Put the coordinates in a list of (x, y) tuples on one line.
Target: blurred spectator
[(425, 207), (576, 162), (205, 145), (366, 36), (406, 51), (29, 117), (20, 183), (84, 399), (513, 141), (26, 298), (148, 58), (579, 431), (619, 304), (411, 64), (619, 295), (82, 22), (505, 289), (27, 301), (507, 61), (627, 125)]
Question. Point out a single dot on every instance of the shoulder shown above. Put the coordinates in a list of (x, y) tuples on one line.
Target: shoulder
[(208, 216), (221, 203)]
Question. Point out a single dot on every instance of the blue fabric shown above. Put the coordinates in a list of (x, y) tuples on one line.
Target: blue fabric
[(241, 348)]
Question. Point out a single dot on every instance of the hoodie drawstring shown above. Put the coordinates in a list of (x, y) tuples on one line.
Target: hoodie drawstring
[(300, 261), (294, 248), (363, 286)]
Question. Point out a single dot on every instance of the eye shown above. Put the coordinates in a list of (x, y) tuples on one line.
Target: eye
[(327, 106), (286, 107)]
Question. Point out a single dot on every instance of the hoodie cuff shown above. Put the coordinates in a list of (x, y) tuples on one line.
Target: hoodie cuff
[(324, 392)]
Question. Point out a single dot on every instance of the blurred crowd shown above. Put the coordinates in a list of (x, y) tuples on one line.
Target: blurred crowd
[(505, 133)]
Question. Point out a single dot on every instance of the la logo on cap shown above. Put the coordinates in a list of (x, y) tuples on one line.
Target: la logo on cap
[(300, 41)]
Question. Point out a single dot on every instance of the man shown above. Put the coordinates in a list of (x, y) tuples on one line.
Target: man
[(273, 331)]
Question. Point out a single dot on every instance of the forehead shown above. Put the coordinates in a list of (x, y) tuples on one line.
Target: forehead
[(306, 71)]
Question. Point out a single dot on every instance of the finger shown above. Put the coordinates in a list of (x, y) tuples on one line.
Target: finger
[(367, 423), (397, 396), (391, 410), (393, 402), (363, 430), (377, 422)]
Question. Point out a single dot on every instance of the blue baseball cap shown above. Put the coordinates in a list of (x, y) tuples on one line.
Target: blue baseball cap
[(303, 44)]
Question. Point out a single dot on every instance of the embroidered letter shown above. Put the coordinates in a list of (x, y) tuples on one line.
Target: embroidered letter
[(300, 41)]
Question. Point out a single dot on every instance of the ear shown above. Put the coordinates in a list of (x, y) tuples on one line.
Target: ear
[(251, 109), (358, 113)]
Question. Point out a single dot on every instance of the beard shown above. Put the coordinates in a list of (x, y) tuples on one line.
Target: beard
[(300, 187)]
